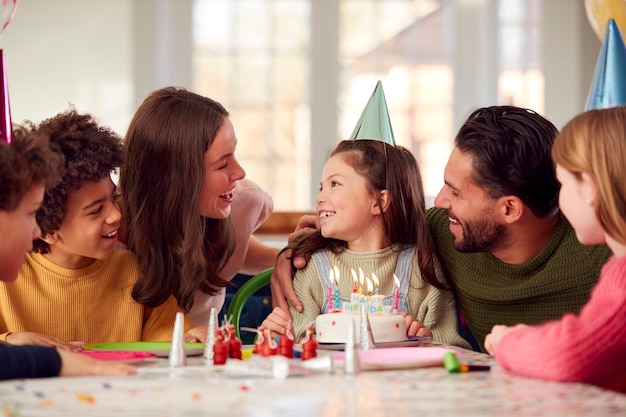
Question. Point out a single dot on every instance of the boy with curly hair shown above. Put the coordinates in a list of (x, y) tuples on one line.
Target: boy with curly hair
[(27, 167), (75, 287)]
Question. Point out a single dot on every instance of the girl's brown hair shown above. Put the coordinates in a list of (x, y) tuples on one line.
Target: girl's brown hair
[(391, 168), (180, 251)]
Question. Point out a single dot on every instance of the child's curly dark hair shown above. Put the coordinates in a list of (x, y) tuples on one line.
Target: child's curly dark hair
[(90, 152), (25, 163)]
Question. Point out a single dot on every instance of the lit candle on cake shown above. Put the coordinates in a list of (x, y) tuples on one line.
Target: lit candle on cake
[(370, 287), (336, 288), (361, 281), (354, 280), (368, 296), (331, 279), (395, 293), (376, 300), (376, 283)]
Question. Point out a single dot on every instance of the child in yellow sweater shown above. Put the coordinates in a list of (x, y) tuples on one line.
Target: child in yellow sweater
[(27, 167), (75, 288)]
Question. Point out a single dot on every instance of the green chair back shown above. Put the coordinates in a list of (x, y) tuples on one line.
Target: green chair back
[(242, 295)]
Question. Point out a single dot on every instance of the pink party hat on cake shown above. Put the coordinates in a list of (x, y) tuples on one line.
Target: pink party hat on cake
[(374, 123), (608, 88), (5, 111)]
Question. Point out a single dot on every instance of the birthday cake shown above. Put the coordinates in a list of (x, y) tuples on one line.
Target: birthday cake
[(386, 327)]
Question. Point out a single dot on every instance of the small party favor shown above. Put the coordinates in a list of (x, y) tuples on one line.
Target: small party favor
[(178, 356), (210, 337)]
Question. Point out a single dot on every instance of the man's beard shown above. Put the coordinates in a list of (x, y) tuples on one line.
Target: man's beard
[(481, 236)]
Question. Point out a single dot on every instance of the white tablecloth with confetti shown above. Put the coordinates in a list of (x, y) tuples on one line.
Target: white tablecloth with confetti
[(199, 390)]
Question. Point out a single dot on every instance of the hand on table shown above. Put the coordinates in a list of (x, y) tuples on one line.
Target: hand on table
[(492, 340), (38, 339), (75, 364), (415, 327), (196, 335)]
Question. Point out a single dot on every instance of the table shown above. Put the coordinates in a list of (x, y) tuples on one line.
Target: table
[(198, 390)]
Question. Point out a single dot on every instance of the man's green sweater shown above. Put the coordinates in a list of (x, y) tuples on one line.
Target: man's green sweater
[(556, 281)]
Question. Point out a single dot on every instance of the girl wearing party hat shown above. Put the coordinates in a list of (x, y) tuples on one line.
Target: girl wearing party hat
[(372, 214)]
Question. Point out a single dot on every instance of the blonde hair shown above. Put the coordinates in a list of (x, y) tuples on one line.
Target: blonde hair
[(594, 143)]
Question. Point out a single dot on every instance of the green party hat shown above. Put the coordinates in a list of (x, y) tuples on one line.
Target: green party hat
[(374, 123)]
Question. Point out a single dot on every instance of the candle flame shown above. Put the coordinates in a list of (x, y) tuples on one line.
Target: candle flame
[(375, 279), (396, 280), (361, 277), (336, 274), (354, 277), (331, 277), (370, 287)]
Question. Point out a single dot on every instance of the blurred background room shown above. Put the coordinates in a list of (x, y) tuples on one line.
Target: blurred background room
[(296, 74)]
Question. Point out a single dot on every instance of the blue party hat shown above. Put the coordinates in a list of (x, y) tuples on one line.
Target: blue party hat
[(374, 123), (608, 88)]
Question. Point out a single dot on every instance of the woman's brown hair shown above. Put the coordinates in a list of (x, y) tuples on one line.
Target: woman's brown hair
[(180, 251)]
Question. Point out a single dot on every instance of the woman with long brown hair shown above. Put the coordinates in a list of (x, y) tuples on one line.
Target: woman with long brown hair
[(188, 212)]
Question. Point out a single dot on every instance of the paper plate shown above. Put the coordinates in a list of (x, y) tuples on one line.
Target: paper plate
[(398, 358), (118, 355), (161, 349)]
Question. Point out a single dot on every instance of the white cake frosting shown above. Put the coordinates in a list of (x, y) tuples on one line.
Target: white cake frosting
[(386, 327), (333, 327)]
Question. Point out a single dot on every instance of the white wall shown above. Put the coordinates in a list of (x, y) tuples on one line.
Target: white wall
[(570, 52), (77, 51), (105, 56)]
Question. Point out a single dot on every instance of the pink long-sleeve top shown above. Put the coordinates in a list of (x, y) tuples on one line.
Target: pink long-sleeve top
[(589, 347)]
